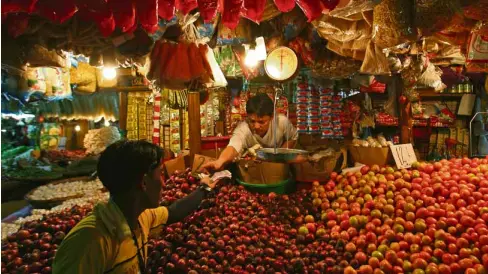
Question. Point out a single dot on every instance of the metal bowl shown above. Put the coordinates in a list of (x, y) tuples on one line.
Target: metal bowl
[(282, 155)]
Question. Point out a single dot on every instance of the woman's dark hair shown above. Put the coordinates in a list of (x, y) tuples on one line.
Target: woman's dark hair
[(123, 164), (260, 104)]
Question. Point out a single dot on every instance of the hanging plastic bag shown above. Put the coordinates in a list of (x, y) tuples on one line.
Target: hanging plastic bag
[(293, 23), (285, 5), (375, 61), (98, 11), (185, 6), (39, 56), (311, 8), (147, 14), (124, 14), (16, 6), (330, 4), (253, 10), (32, 81), (349, 8), (231, 13), (477, 11), (477, 55), (57, 11), (392, 23), (84, 77), (431, 78), (270, 11), (434, 15), (166, 9), (17, 24), (208, 9), (218, 76), (57, 83), (240, 35)]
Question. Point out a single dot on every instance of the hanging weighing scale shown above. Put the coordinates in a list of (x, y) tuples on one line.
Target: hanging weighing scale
[(281, 65)]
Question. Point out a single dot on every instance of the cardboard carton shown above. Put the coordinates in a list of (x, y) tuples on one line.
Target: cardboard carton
[(321, 170), (371, 155), (253, 172)]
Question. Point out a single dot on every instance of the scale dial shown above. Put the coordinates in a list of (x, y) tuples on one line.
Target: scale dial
[(281, 64)]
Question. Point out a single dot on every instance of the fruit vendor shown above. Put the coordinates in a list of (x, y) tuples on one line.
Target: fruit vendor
[(114, 237), (256, 130)]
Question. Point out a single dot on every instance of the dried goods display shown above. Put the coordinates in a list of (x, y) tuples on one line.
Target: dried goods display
[(96, 140), (139, 116), (65, 190)]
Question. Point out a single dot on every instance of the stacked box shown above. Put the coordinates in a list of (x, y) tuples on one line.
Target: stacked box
[(332, 116), (302, 107)]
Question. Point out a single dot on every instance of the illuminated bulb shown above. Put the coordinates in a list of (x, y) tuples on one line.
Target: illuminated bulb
[(251, 59), (109, 73), (107, 123), (77, 128), (274, 72)]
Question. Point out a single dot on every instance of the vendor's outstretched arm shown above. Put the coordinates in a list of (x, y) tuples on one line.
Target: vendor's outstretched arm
[(227, 156)]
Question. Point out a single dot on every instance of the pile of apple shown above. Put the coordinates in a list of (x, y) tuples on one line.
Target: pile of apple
[(430, 219), (32, 248)]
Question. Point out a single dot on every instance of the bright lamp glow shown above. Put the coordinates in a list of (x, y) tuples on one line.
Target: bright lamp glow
[(77, 128), (260, 49), (107, 123), (251, 59), (109, 73)]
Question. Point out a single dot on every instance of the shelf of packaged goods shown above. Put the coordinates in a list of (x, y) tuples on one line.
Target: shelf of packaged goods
[(432, 94)]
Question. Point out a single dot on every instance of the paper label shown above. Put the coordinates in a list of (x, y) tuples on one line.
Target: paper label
[(404, 155), (199, 161)]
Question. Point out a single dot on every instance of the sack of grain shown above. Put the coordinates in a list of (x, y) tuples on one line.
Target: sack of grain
[(393, 23)]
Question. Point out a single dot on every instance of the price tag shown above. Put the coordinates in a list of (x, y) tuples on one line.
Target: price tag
[(404, 155), (199, 161)]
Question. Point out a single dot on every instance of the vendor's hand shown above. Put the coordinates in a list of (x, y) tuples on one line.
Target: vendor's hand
[(299, 159), (208, 182), (212, 166)]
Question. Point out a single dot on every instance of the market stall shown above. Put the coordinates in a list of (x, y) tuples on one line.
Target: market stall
[(388, 98)]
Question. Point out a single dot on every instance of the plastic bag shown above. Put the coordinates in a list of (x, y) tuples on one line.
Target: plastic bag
[(39, 56), (227, 61), (330, 4), (253, 10), (349, 8), (375, 62), (270, 11), (57, 83), (185, 6), (218, 76), (343, 30), (477, 11), (477, 55), (84, 77), (15, 6), (208, 9), (392, 23), (124, 14), (434, 15), (166, 9), (147, 14), (17, 24), (285, 5), (240, 35), (58, 11), (231, 13), (98, 11), (32, 81), (293, 24), (431, 78), (311, 8)]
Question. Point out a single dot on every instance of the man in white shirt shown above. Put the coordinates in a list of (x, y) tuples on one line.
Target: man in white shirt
[(257, 129)]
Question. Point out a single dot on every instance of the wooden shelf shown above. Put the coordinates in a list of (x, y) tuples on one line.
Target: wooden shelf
[(432, 94)]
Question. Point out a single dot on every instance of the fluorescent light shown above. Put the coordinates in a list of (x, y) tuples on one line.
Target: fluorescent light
[(18, 116), (109, 73)]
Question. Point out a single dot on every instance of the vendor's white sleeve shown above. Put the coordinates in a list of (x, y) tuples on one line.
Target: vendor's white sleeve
[(291, 133), (238, 139)]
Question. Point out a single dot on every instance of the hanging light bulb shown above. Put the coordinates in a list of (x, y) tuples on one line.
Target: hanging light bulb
[(77, 128), (107, 123), (109, 73)]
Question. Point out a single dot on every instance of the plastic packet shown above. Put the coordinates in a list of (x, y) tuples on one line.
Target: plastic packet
[(185, 6), (231, 13), (208, 9), (435, 15), (375, 61), (477, 56), (285, 5), (431, 78), (253, 10), (124, 14), (352, 7), (166, 9), (393, 23), (311, 8)]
